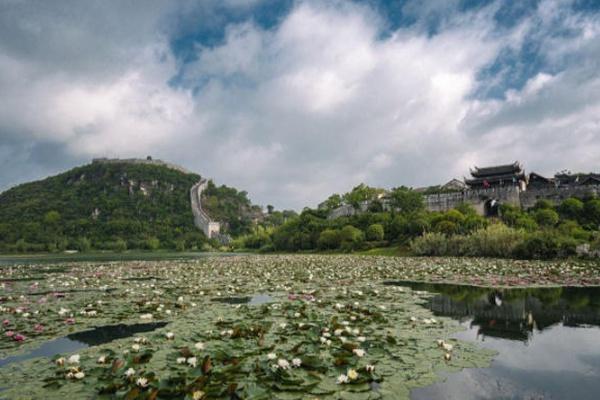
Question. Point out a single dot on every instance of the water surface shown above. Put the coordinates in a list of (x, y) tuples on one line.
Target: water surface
[(548, 342)]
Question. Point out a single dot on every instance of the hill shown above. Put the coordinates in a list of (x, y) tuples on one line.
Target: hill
[(114, 205)]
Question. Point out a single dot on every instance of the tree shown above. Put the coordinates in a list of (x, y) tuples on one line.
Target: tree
[(270, 209), (546, 217), (329, 239), (375, 232), (360, 194), (592, 211), (351, 237), (51, 218), (571, 208), (406, 200)]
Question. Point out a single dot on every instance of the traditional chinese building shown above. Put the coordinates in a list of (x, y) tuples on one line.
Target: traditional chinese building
[(497, 176)]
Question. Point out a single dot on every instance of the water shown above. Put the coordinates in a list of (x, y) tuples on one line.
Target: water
[(548, 342), (81, 340), (250, 300)]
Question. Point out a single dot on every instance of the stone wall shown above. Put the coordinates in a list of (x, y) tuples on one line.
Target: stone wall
[(512, 195), (475, 198), (210, 228)]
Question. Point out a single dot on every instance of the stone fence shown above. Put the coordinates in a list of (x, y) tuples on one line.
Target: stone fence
[(201, 219)]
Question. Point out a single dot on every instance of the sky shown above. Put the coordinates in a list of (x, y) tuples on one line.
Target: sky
[(293, 100)]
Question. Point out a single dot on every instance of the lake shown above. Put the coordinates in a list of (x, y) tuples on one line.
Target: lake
[(547, 339)]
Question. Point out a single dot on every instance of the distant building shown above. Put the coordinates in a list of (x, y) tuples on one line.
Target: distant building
[(501, 175)]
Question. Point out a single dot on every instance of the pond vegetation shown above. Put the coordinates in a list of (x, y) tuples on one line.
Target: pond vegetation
[(320, 326)]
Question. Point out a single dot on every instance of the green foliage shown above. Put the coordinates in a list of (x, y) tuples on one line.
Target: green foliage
[(351, 238), (546, 217), (375, 232), (360, 194), (329, 239), (430, 244), (92, 205), (406, 200), (571, 208), (152, 243), (545, 245)]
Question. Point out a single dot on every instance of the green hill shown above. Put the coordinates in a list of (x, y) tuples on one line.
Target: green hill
[(108, 205)]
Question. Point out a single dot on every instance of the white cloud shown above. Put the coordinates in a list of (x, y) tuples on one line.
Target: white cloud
[(312, 106)]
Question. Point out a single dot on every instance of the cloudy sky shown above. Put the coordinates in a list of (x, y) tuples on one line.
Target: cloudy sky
[(294, 100)]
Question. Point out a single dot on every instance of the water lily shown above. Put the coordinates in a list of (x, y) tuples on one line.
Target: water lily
[(170, 335), (197, 395), (74, 359), (359, 352), (352, 374), (180, 360), (296, 362), (135, 347), (130, 372), (146, 316), (79, 375), (142, 382), (101, 359), (60, 361), (271, 356), (192, 361), (342, 379), (283, 363), (199, 346), (369, 368)]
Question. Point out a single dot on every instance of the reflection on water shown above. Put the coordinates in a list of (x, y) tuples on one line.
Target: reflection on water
[(81, 340), (548, 340)]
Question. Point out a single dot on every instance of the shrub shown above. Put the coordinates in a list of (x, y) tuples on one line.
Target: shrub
[(497, 240), (351, 238), (546, 217), (375, 232), (329, 239), (571, 208), (430, 244), (152, 243), (84, 244), (119, 245), (538, 246), (446, 227)]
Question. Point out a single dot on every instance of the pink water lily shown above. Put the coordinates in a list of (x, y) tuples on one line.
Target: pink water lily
[(70, 321), (18, 337), (39, 328)]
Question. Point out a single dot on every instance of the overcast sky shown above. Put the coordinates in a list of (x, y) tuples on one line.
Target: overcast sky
[(295, 100)]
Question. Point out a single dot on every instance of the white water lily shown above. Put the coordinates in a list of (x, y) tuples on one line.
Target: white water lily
[(448, 347), (169, 335), (283, 363), (361, 339), (180, 360), (199, 346), (359, 352), (135, 347), (74, 359), (352, 374), (60, 361), (142, 382), (146, 316), (342, 379), (296, 362), (101, 359), (192, 361), (369, 368), (271, 356), (130, 372), (79, 375)]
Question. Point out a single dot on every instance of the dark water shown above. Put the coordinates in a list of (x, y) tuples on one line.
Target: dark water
[(548, 342), (81, 340), (251, 300)]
